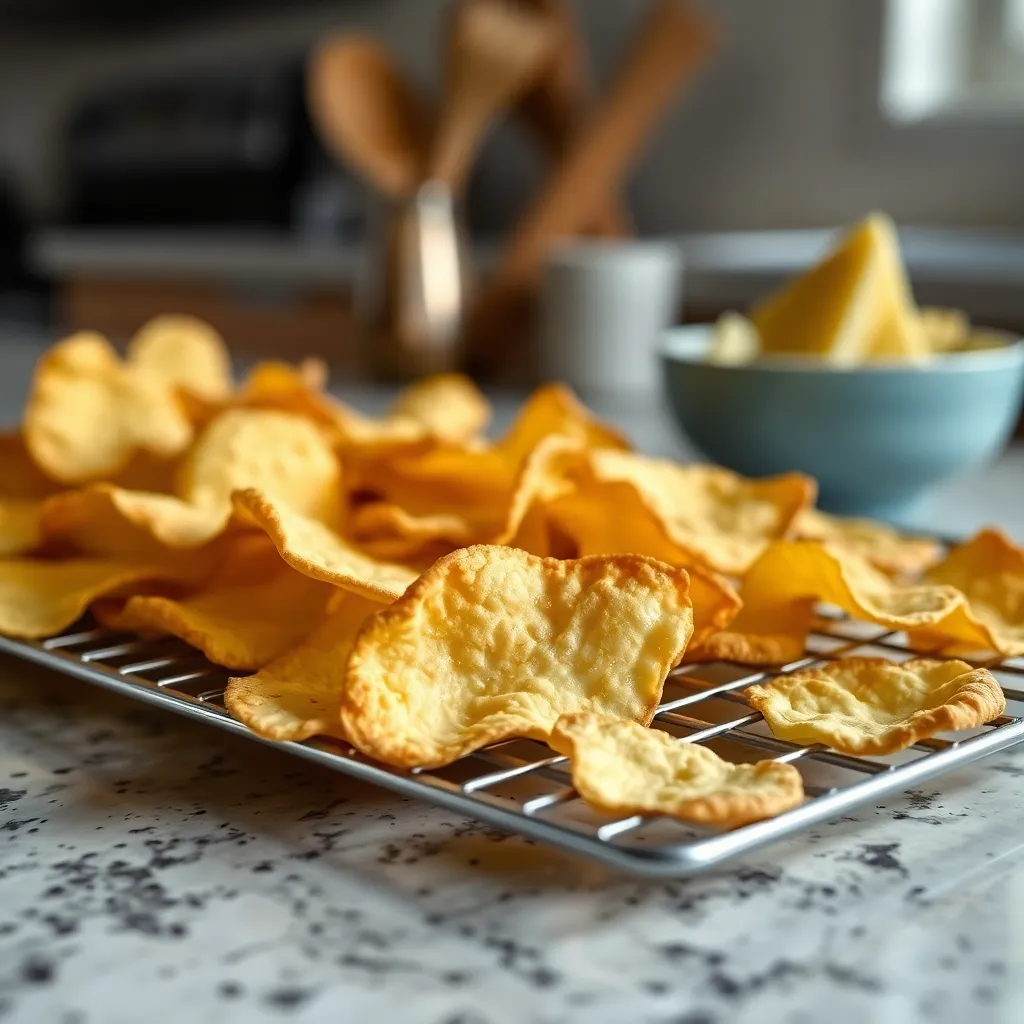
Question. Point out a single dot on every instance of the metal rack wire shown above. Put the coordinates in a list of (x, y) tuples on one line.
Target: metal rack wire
[(520, 786)]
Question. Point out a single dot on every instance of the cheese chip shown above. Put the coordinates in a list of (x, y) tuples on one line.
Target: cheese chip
[(874, 706), (621, 768), (317, 551), (183, 352), (40, 598), (448, 406), (888, 550), (782, 587), (240, 626), (492, 643), (721, 519), (283, 455), (735, 341), (89, 413), (989, 571), (299, 694), (945, 330)]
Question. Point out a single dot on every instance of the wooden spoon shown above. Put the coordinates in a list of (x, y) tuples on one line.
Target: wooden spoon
[(556, 105), (670, 46), (495, 50), (367, 114)]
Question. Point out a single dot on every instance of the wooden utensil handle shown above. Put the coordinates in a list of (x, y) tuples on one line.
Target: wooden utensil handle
[(555, 108), (670, 46)]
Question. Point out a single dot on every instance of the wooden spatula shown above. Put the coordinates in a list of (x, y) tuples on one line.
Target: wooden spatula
[(367, 114), (556, 106), (671, 45), (495, 50)]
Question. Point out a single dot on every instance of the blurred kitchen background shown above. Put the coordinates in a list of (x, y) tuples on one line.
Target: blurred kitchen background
[(159, 156)]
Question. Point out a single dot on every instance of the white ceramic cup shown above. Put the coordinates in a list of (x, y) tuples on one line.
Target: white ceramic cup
[(604, 306)]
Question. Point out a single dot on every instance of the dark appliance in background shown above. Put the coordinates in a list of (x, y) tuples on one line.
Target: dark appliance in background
[(225, 149)]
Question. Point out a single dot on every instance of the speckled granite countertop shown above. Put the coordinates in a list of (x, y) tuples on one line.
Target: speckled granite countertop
[(154, 869)]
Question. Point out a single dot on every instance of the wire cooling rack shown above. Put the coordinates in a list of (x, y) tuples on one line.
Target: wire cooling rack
[(521, 787)]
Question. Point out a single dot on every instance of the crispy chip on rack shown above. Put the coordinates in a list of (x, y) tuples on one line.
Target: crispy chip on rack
[(492, 643), (40, 598), (239, 626), (283, 455), (111, 521), (89, 412), (19, 526), (875, 706), (721, 519), (611, 519), (20, 476), (894, 553), (317, 551), (183, 352), (622, 768), (554, 409), (989, 571), (541, 478), (782, 587), (448, 406), (299, 694), (473, 479)]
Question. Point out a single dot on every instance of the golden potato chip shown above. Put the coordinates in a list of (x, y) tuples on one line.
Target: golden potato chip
[(945, 329), (719, 518), (184, 352), (621, 768), (111, 521), (299, 694), (317, 551), (448, 406), (874, 706), (240, 626), (19, 526), (554, 409), (542, 477), (20, 477), (894, 553), (492, 642), (989, 571), (292, 389), (781, 588), (283, 455), (40, 598), (89, 413), (147, 472), (611, 519), (455, 478)]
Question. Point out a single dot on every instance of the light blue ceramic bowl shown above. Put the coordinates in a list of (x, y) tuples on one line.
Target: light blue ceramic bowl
[(876, 438)]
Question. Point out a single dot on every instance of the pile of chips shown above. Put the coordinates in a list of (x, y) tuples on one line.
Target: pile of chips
[(414, 590)]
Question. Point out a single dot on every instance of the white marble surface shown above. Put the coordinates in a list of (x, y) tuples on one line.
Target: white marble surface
[(154, 869)]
